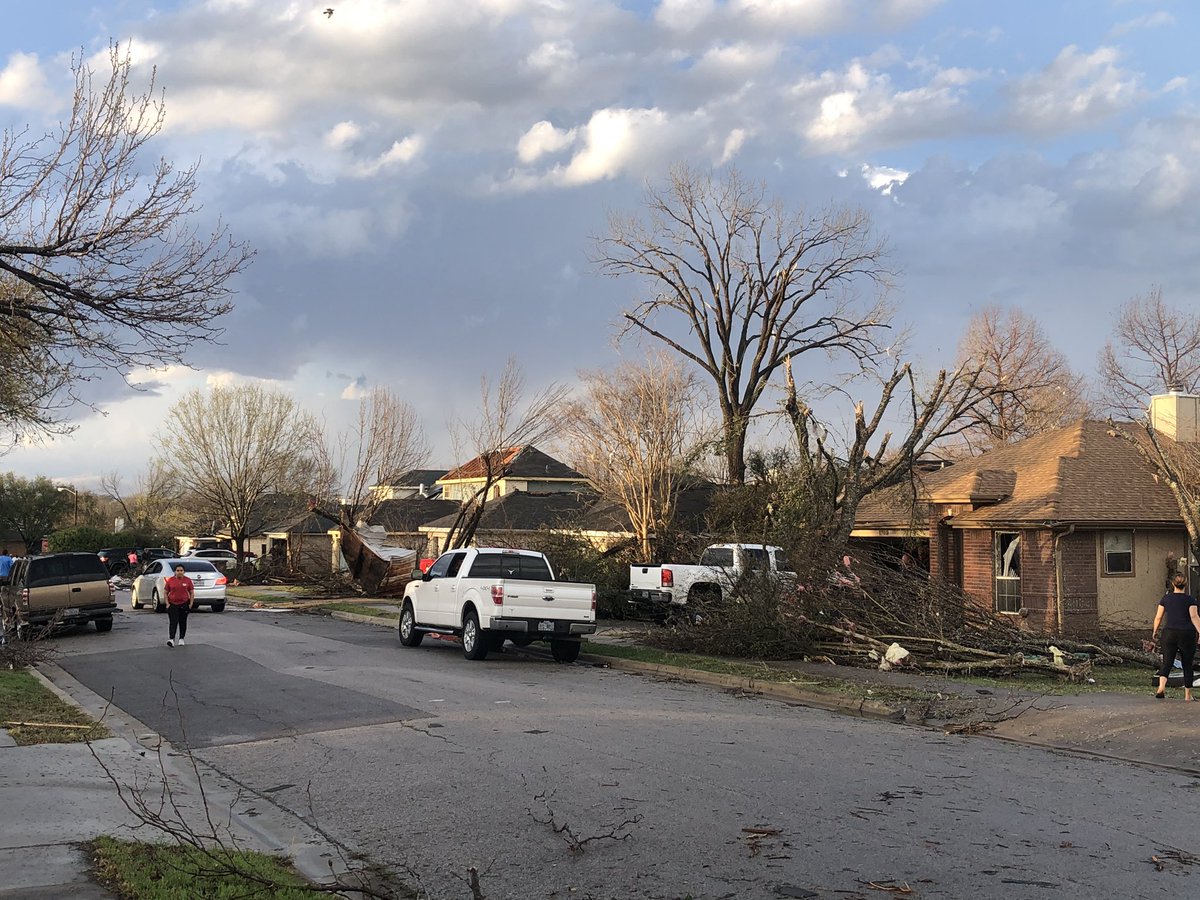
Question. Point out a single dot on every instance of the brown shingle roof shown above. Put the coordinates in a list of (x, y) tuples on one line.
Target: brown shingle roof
[(514, 462), (1079, 473)]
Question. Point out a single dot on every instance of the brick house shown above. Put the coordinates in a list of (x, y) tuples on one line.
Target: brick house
[(1069, 530)]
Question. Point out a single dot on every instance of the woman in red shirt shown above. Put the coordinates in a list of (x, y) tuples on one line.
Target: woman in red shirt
[(181, 596)]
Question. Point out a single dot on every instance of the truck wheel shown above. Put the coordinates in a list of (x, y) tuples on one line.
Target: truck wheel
[(159, 606), (565, 651), (104, 624), (475, 645), (409, 636)]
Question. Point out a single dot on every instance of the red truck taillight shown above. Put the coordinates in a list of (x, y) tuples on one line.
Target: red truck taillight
[(25, 596), (668, 578), (498, 594), (593, 599)]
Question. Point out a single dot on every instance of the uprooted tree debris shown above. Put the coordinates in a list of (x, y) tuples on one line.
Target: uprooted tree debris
[(872, 614)]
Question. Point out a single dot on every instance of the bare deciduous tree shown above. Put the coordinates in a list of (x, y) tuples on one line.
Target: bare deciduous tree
[(503, 420), (1154, 348), (1027, 384), (234, 446), (103, 266), (739, 285), (385, 442), (1177, 464), (869, 460), (635, 433)]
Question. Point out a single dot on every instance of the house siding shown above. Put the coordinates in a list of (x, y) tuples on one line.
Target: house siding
[(1129, 601)]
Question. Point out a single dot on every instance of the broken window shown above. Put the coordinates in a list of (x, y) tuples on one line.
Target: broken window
[(1118, 553), (1008, 571)]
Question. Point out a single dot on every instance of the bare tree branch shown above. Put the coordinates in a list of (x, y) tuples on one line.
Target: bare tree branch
[(102, 265), (503, 420), (1028, 385), (636, 434), (1155, 348), (739, 285), (234, 446)]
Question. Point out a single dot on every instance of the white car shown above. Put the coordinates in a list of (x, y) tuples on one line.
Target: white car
[(149, 588)]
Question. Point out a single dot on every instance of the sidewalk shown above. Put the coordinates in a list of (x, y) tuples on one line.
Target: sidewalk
[(56, 796)]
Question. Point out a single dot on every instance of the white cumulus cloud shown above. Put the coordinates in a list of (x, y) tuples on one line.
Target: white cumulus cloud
[(543, 138), (22, 82), (1076, 90)]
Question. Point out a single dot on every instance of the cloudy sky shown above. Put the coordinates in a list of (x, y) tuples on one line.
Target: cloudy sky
[(422, 179)]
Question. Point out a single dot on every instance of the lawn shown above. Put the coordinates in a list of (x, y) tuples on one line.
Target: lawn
[(142, 871), (1113, 679), (361, 609), (25, 699)]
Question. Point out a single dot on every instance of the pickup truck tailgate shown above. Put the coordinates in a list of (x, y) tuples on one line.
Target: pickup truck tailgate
[(548, 600)]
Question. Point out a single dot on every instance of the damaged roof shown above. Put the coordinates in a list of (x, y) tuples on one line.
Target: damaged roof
[(1080, 473)]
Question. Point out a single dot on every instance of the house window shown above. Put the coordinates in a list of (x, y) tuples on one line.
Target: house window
[(1118, 553), (1008, 571)]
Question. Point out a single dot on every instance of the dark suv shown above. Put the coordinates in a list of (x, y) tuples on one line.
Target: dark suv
[(57, 589), (116, 559)]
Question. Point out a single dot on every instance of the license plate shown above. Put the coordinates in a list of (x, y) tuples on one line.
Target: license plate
[(70, 613), (545, 626)]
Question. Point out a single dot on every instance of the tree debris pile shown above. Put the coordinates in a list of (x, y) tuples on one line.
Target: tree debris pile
[(871, 613)]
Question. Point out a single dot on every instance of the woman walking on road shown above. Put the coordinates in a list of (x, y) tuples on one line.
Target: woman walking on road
[(1179, 635), (181, 596)]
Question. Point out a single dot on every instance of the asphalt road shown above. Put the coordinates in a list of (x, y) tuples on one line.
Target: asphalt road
[(574, 781)]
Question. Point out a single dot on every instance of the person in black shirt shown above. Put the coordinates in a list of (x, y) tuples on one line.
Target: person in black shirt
[(1179, 635)]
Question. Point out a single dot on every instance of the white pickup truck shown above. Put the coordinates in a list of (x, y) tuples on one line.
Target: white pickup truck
[(487, 595), (671, 586)]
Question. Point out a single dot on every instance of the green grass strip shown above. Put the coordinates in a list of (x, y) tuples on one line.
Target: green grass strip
[(142, 871), (25, 699)]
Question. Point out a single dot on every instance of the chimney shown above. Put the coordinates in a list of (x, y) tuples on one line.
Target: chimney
[(1176, 415)]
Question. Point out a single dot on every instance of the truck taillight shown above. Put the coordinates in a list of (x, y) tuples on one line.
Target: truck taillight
[(593, 599), (668, 578), (498, 594), (25, 597)]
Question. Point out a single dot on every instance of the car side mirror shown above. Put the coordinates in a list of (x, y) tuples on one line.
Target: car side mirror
[(416, 574)]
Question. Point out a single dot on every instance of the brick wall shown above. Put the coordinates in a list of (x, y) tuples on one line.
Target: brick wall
[(977, 565), (1039, 586), (1080, 588)]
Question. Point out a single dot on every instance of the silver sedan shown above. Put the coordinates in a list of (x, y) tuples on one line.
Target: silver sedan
[(149, 588)]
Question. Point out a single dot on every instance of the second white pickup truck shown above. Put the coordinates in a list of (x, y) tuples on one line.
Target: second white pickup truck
[(488, 595), (671, 586)]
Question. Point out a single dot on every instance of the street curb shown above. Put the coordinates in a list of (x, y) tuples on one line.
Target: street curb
[(366, 620), (774, 690)]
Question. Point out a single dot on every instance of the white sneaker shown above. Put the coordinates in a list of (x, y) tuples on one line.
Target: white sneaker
[(170, 643), (181, 642)]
